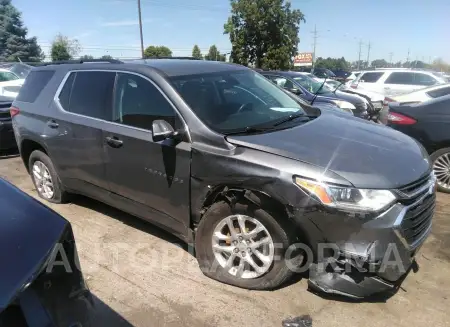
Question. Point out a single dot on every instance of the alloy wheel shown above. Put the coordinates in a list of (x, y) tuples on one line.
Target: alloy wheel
[(441, 169), (243, 246), (43, 180)]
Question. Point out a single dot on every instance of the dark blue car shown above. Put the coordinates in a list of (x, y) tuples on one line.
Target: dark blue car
[(306, 87)]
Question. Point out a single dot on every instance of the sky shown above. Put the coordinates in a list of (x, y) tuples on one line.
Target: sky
[(111, 26)]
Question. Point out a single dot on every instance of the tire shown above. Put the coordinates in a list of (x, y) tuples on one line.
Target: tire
[(59, 195), (437, 170), (280, 232)]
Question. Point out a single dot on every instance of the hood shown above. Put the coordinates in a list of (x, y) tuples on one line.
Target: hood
[(352, 98), (28, 232), (368, 155)]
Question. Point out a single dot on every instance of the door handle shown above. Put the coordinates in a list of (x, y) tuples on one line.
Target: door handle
[(52, 124), (114, 142)]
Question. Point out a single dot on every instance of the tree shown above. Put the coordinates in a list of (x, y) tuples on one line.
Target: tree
[(157, 51), (379, 63), (213, 54), (440, 65), (14, 44), (64, 48), (332, 63), (263, 33), (196, 53), (87, 57), (106, 57)]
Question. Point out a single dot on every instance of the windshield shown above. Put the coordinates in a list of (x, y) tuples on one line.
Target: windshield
[(20, 70), (311, 84), (232, 101)]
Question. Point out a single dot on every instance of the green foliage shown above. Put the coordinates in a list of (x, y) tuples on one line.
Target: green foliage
[(332, 63), (214, 54), (87, 57), (106, 57), (263, 33), (63, 48), (379, 63), (196, 53), (14, 43), (157, 51)]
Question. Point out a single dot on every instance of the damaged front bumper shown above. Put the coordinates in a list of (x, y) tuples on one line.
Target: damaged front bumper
[(361, 257)]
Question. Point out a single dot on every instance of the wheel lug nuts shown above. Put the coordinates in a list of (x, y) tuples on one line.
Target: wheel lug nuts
[(240, 238), (243, 253), (235, 242), (236, 250)]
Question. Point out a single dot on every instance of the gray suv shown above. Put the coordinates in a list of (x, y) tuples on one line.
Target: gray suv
[(263, 184)]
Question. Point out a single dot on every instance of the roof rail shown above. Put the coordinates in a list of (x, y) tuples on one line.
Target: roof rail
[(81, 61), (187, 58)]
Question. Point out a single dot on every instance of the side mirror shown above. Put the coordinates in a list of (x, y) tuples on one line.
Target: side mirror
[(162, 130)]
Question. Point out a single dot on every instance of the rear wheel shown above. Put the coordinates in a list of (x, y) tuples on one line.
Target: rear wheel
[(243, 245), (45, 178), (441, 168)]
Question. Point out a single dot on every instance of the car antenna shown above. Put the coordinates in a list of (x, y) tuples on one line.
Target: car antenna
[(318, 90), (20, 60)]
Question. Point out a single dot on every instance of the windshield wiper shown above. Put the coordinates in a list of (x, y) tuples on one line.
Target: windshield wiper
[(289, 118), (250, 130), (318, 90), (339, 85)]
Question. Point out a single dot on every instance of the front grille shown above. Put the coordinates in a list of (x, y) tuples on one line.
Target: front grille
[(419, 199)]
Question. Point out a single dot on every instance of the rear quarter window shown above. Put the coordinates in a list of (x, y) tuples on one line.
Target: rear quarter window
[(371, 77), (34, 84)]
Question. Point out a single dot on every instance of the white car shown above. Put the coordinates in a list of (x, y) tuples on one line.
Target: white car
[(422, 95), (375, 98), (395, 82), (10, 83), (352, 77)]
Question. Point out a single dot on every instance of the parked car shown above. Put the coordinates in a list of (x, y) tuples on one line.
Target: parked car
[(221, 157), (323, 73), (10, 83), (20, 69), (429, 123), (352, 77), (341, 75), (305, 87), (395, 82), (7, 140), (422, 95), (41, 281)]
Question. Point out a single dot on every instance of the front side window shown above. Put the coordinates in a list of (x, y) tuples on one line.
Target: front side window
[(7, 76), (400, 78), (137, 103), (88, 94), (231, 101)]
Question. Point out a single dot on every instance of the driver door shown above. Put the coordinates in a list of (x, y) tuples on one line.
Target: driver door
[(153, 178)]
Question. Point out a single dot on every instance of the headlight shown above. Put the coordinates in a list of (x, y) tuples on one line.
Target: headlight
[(344, 104), (347, 198)]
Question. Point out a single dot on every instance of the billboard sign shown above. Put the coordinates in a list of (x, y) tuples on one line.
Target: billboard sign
[(303, 59)]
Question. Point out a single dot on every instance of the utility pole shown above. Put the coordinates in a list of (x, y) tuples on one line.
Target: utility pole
[(368, 55), (140, 28), (359, 54), (407, 58), (390, 57), (314, 46)]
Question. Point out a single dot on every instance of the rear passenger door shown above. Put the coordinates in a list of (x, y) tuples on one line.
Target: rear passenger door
[(399, 83), (84, 103), (151, 178)]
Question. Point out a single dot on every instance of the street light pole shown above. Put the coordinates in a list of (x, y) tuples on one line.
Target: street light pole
[(140, 28)]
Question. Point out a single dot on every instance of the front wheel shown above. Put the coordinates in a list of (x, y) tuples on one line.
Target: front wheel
[(441, 168), (243, 245)]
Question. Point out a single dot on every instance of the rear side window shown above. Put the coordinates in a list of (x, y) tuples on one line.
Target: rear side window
[(400, 78), (34, 84), (424, 79), (371, 77), (89, 94), (439, 92)]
